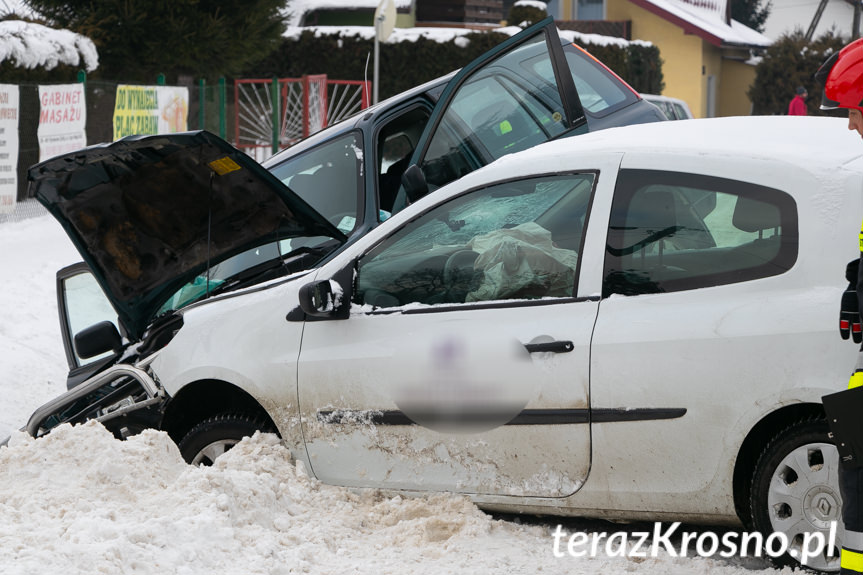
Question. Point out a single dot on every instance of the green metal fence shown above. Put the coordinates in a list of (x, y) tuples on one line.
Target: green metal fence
[(258, 116)]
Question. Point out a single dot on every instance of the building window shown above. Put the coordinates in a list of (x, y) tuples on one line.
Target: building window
[(591, 10)]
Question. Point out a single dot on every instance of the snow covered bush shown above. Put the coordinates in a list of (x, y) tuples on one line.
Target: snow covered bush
[(525, 12)]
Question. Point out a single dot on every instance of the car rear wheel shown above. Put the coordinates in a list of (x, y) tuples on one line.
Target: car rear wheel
[(795, 491), (215, 435)]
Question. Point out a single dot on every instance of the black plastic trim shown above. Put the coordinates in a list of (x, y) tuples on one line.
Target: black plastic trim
[(500, 304), (552, 347), (526, 417)]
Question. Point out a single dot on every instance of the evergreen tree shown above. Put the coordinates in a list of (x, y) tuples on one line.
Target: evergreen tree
[(750, 13), (138, 39), (788, 63)]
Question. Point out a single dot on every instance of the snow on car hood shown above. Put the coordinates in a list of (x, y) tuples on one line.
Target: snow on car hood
[(149, 213)]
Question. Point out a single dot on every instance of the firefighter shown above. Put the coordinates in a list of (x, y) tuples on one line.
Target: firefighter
[(842, 76)]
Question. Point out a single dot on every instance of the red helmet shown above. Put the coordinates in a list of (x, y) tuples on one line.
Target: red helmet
[(842, 76)]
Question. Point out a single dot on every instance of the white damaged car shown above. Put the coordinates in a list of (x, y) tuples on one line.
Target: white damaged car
[(637, 323)]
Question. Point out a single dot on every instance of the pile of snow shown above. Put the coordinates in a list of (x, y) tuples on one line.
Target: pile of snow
[(135, 506), (297, 9), (18, 8), (442, 35), (439, 35), (538, 4), (30, 45), (78, 501)]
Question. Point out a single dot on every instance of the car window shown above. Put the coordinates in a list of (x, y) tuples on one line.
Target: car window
[(599, 90), (395, 143), (209, 281), (502, 109), (85, 304), (515, 240), (681, 112), (328, 177), (663, 105), (667, 109), (673, 231)]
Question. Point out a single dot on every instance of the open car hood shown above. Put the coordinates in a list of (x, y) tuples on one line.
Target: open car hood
[(150, 213)]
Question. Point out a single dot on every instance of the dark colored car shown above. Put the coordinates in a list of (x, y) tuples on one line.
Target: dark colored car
[(512, 98)]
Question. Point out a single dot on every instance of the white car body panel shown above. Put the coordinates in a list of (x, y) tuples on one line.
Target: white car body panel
[(729, 355), (246, 341), (355, 365), (350, 365), (745, 321)]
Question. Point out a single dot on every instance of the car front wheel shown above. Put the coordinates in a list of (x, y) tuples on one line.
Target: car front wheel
[(215, 435), (795, 491)]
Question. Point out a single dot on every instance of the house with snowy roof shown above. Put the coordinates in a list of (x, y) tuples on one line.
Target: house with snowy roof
[(707, 58)]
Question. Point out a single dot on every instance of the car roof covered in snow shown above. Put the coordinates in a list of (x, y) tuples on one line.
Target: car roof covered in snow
[(815, 143)]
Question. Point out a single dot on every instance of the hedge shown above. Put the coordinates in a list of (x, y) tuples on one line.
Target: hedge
[(791, 61), (408, 64), (519, 14), (639, 64)]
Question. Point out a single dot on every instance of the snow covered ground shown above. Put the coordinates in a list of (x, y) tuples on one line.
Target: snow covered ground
[(80, 502), (32, 361)]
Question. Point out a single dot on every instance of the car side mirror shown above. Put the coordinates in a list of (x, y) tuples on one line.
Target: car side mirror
[(327, 299), (321, 298), (414, 183), (98, 339)]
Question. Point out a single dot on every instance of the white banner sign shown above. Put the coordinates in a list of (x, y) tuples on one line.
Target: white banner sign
[(150, 110), (62, 119), (8, 147)]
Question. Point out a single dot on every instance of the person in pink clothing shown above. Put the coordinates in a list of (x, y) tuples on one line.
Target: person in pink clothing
[(797, 107)]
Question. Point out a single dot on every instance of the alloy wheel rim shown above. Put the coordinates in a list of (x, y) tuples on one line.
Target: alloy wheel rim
[(210, 452)]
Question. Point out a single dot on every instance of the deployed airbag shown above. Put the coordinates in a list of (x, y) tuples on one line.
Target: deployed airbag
[(522, 262)]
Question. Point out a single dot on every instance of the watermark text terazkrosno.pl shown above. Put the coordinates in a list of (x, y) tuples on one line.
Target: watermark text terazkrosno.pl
[(689, 544)]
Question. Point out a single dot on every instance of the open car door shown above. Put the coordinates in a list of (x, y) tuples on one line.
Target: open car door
[(82, 304), (515, 96), (102, 383)]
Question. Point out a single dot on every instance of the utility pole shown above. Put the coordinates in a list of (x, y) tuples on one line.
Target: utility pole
[(815, 19), (855, 26), (385, 20)]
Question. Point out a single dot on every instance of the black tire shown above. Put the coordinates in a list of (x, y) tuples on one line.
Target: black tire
[(217, 434), (795, 489)]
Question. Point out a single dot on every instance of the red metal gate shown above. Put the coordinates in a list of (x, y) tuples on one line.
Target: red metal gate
[(305, 105)]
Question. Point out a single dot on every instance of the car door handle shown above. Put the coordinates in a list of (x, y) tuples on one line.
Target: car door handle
[(552, 346)]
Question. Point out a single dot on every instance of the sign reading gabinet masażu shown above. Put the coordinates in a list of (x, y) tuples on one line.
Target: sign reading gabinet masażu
[(62, 119), (8, 147), (150, 110)]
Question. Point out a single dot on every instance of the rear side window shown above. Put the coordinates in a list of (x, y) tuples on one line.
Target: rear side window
[(671, 231)]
